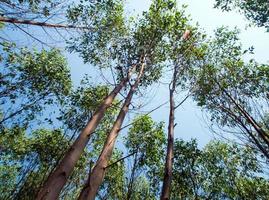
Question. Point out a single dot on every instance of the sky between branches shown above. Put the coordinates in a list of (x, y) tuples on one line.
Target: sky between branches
[(191, 121)]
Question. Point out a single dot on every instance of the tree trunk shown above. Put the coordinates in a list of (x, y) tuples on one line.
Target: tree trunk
[(58, 178), (131, 183), (167, 180), (96, 177)]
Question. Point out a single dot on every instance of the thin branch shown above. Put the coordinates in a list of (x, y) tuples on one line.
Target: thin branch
[(121, 159), (151, 111), (182, 101), (43, 24)]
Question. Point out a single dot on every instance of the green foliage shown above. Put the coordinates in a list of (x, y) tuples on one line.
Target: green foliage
[(28, 7), (257, 11), (225, 78), (147, 139), (120, 42), (27, 159), (31, 80), (219, 171), (82, 103)]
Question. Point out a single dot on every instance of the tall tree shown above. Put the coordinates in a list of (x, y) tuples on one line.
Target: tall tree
[(183, 53), (234, 91), (111, 15), (96, 176)]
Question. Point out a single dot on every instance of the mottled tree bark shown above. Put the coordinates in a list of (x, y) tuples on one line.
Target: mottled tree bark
[(96, 177), (58, 178)]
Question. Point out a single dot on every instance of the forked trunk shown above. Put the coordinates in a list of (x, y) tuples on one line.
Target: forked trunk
[(58, 178), (96, 177)]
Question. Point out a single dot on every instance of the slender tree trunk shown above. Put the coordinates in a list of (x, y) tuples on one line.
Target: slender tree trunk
[(58, 178), (130, 185), (248, 131), (96, 177), (167, 180)]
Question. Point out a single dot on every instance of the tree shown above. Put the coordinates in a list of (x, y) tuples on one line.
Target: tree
[(234, 91), (146, 47), (218, 171), (30, 82), (184, 51), (257, 11), (58, 178)]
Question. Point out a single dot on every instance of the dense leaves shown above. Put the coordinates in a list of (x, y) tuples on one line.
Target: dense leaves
[(30, 81), (219, 171), (234, 91)]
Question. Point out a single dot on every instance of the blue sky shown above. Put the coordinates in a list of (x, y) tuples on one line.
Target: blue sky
[(191, 121)]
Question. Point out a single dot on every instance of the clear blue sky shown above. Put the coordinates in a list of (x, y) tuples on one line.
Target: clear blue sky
[(191, 120)]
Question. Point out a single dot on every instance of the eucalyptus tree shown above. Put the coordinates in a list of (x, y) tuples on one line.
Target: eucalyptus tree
[(184, 52), (30, 81), (117, 44), (111, 25), (257, 11), (218, 171), (146, 49), (234, 91), (145, 142)]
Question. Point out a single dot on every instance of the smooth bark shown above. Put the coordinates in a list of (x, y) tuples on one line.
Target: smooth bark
[(58, 178), (96, 177), (167, 180)]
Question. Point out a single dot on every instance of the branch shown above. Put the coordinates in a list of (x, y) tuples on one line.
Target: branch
[(121, 159), (145, 114), (182, 101), (42, 24)]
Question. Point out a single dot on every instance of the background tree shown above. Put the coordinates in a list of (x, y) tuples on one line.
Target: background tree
[(218, 171), (145, 140), (257, 11), (234, 91), (30, 81)]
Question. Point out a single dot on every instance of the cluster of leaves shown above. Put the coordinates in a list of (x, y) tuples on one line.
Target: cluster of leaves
[(224, 82), (257, 11), (27, 159), (27, 8), (219, 171), (30, 81)]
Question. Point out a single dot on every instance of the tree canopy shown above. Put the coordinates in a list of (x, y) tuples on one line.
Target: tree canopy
[(95, 137)]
